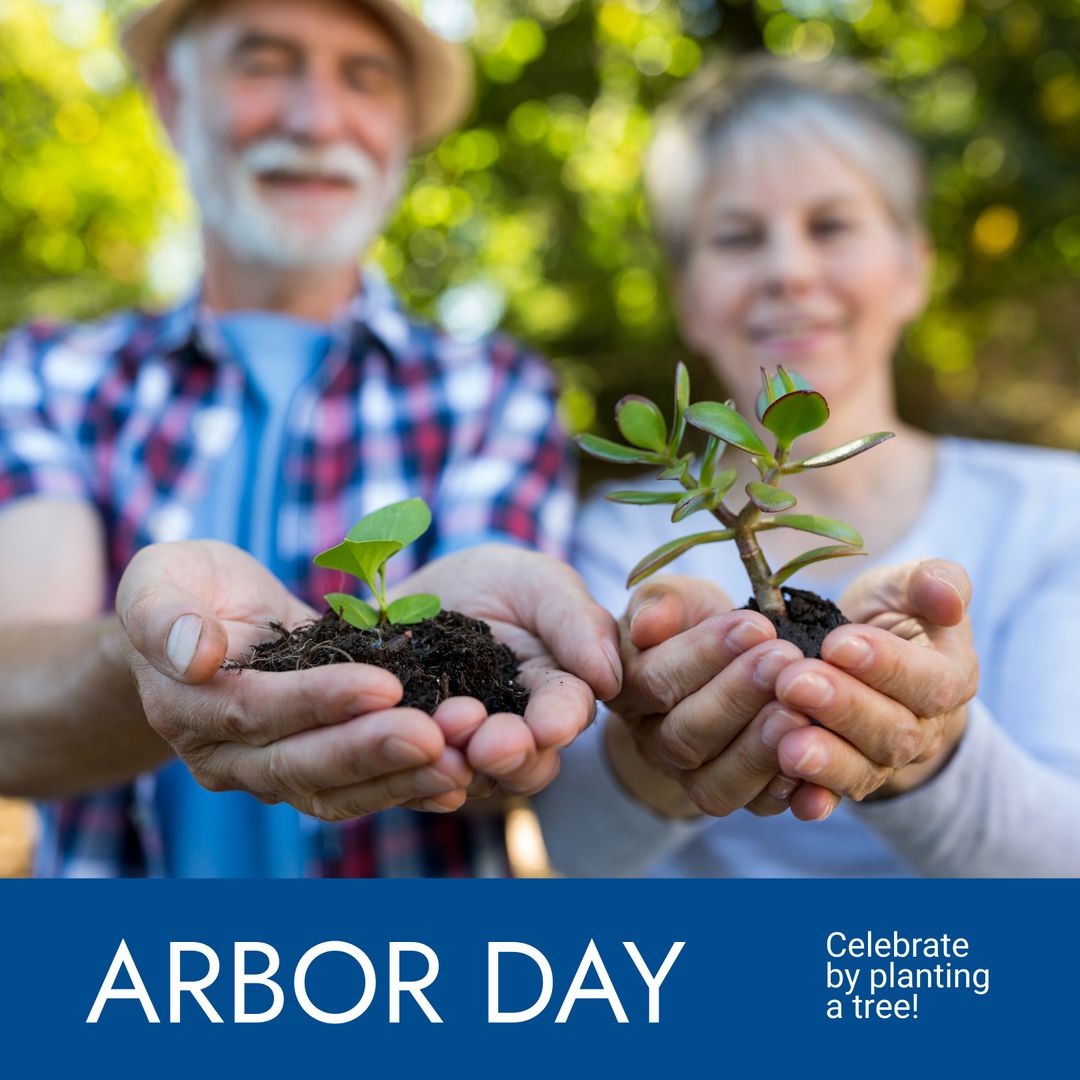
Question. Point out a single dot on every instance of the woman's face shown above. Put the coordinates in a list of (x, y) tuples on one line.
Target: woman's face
[(796, 260)]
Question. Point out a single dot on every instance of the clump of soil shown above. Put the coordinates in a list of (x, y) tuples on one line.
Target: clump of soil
[(810, 620), (448, 656)]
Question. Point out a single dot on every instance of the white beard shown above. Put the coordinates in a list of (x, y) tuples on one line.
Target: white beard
[(226, 188)]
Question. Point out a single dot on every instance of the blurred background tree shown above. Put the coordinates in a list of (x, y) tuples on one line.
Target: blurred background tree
[(532, 217)]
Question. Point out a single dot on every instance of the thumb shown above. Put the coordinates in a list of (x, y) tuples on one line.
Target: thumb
[(669, 605), (936, 590), (940, 592), (169, 626)]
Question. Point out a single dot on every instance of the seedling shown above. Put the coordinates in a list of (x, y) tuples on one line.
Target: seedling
[(370, 544), (787, 408), (441, 654)]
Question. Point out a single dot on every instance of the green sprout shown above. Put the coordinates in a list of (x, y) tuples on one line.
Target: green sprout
[(364, 553), (787, 408)]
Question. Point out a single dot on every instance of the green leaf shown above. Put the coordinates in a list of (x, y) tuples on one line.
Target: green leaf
[(795, 414), (361, 559), (682, 402), (725, 423), (691, 503), (767, 395), (338, 558), (682, 387), (641, 423), (680, 469), (770, 499), (714, 451), (822, 526), (644, 498), (707, 497), (672, 550), (414, 609), (606, 450), (722, 482), (839, 453), (354, 612), (774, 387), (836, 551), (400, 523), (371, 557)]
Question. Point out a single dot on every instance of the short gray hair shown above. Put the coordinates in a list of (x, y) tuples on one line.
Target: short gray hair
[(836, 101)]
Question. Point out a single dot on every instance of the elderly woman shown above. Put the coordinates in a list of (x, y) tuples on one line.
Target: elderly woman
[(789, 201)]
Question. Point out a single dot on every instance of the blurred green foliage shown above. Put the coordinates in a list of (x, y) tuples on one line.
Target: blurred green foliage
[(84, 185), (532, 216)]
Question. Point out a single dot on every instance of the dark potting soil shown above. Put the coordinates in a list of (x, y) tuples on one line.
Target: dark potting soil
[(811, 618), (448, 656)]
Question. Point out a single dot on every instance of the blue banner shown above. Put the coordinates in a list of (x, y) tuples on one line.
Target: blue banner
[(537, 978)]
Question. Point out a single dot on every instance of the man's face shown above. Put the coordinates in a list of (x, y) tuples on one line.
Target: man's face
[(295, 123)]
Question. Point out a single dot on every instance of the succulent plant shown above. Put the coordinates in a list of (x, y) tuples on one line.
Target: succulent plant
[(787, 408)]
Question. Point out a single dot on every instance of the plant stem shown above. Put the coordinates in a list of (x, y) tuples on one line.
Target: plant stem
[(384, 614), (768, 596), (769, 599)]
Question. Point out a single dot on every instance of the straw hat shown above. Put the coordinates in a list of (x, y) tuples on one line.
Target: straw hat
[(442, 80)]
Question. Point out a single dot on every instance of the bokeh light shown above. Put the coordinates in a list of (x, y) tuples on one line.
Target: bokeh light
[(531, 218)]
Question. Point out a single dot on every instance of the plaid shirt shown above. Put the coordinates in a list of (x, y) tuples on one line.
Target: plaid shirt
[(131, 414)]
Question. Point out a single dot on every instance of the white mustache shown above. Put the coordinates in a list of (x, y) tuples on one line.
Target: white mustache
[(340, 161)]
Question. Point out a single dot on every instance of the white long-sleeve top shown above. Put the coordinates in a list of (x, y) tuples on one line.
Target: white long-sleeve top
[(1008, 802)]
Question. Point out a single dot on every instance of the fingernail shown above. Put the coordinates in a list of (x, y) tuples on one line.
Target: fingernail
[(403, 754), (611, 651), (852, 653), (949, 581), (643, 606), (432, 782), (827, 812), (183, 641), (745, 636), (432, 807), (812, 760), (810, 691), (781, 788), (768, 667), (778, 724), (390, 691), (510, 764)]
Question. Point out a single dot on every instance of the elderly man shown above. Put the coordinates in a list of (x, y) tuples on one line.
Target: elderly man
[(254, 424)]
